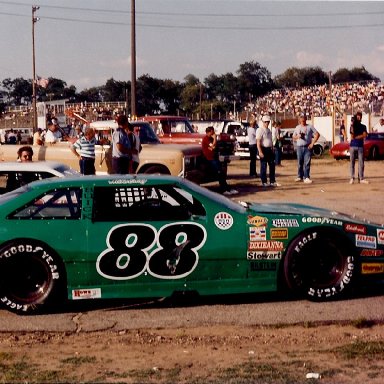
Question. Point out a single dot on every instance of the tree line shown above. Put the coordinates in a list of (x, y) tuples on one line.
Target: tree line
[(217, 93)]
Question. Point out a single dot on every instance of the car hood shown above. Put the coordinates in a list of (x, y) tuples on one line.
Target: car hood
[(299, 209)]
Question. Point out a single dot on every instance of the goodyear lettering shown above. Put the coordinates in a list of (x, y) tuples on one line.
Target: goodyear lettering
[(321, 220)]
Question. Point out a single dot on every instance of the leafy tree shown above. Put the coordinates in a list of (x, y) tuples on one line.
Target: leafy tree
[(169, 94), (290, 78), (191, 95), (254, 80), (356, 74), (91, 95), (148, 99), (115, 90)]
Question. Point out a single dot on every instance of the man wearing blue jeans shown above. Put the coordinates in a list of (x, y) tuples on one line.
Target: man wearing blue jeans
[(356, 148), (305, 136)]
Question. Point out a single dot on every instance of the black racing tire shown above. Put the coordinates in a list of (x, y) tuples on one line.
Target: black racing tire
[(32, 277), (319, 265), (317, 150)]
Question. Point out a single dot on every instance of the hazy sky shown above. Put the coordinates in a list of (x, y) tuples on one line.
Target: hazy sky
[(87, 42)]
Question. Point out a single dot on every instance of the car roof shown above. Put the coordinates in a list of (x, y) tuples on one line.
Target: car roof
[(53, 167)]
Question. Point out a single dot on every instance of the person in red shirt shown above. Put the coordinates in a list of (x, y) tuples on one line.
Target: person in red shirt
[(208, 146)]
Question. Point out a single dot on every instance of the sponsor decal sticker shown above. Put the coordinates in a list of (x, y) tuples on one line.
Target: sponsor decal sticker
[(127, 181), (263, 266), (321, 220), (279, 233), (83, 294), (372, 252), (264, 255), (223, 220), (364, 241), (257, 221), (355, 228), (257, 233), (265, 246), (380, 236), (285, 223), (368, 269)]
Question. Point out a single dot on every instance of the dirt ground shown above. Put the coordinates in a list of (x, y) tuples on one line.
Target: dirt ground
[(327, 353)]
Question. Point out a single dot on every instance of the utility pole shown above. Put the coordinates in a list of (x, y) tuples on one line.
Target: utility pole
[(133, 58), (34, 20)]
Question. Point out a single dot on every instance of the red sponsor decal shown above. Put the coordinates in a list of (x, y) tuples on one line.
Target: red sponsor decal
[(380, 236), (355, 228), (372, 268), (372, 252), (266, 245)]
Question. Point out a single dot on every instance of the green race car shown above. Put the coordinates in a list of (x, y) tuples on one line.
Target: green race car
[(151, 236)]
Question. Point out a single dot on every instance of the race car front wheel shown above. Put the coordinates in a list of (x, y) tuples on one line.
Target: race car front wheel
[(31, 276), (319, 265)]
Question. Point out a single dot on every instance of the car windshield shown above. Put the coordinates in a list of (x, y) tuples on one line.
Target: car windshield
[(147, 134)]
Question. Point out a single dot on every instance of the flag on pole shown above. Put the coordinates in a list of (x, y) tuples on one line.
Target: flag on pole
[(42, 82)]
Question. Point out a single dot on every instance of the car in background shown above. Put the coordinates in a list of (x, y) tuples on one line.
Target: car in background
[(289, 146), (178, 129), (16, 174), (373, 147), (137, 236)]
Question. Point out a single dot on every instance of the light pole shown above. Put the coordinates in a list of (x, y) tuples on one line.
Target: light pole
[(133, 58), (34, 20)]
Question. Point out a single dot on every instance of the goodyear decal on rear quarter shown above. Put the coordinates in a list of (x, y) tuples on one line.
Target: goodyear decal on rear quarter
[(380, 236), (364, 241), (223, 220), (257, 221), (83, 294), (279, 233), (127, 181), (265, 246), (369, 269), (257, 233)]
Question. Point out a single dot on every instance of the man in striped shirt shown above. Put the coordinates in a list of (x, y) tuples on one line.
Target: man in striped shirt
[(84, 149)]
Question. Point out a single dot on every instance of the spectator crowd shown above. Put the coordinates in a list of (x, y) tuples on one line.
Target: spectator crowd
[(318, 100)]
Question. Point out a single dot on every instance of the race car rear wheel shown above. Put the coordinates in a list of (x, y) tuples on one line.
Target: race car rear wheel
[(31, 276), (319, 265)]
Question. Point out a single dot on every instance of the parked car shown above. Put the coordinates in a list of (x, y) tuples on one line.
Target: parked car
[(373, 147), (151, 236), (289, 146), (15, 174), (178, 129)]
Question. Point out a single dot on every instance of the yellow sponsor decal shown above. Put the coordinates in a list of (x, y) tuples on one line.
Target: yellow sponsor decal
[(279, 233), (371, 268), (257, 221)]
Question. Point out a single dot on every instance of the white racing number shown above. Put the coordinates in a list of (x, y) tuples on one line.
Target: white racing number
[(167, 253)]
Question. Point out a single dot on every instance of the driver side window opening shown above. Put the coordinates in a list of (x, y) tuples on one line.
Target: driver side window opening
[(125, 203)]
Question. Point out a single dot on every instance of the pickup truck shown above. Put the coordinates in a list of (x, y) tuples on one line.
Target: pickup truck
[(178, 129)]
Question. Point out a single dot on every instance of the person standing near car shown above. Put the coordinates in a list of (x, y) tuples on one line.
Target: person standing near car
[(305, 136), (208, 146), (343, 133), (266, 153), (134, 139), (251, 131), (84, 149), (277, 142), (356, 148), (121, 147), (25, 154)]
